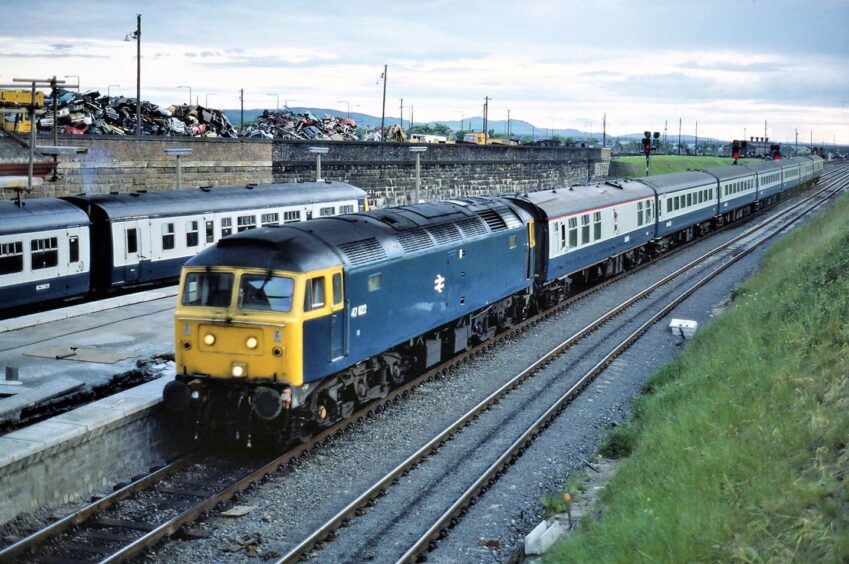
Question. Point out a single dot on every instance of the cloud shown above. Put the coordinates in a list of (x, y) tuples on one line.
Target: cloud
[(763, 67), (50, 55)]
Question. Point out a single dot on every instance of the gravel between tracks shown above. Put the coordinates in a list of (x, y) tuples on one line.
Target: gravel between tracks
[(302, 496)]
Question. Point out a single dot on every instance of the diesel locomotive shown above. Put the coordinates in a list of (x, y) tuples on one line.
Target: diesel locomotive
[(285, 330)]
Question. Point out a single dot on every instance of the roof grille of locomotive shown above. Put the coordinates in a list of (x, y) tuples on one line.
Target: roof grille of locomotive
[(493, 219), (415, 240), (511, 218), (472, 227), (445, 233), (363, 251)]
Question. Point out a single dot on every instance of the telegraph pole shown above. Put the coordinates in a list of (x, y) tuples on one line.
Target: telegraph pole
[(383, 111), (242, 110), (604, 130), (485, 119), (679, 136), (402, 113), (697, 138)]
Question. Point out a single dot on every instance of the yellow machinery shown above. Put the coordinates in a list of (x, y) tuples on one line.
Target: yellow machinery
[(18, 99)]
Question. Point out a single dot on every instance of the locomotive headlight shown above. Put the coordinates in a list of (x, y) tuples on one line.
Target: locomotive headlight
[(209, 339), (251, 342), (238, 370)]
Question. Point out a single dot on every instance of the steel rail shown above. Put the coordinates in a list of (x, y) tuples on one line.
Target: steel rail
[(491, 473), (382, 484), (56, 528)]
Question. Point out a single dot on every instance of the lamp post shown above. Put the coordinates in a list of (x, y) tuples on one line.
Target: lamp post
[(286, 102), (178, 152), (347, 103), (109, 89), (418, 150), (77, 85), (278, 100), (206, 99), (190, 93), (318, 151), (137, 36)]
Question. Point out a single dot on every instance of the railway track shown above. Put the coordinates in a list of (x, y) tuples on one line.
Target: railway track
[(114, 540), (422, 496)]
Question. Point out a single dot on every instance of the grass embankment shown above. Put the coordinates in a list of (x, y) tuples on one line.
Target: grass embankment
[(739, 448), (635, 166)]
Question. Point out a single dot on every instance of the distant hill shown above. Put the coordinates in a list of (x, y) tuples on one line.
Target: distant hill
[(518, 128)]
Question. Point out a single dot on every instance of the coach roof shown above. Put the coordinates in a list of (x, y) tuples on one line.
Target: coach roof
[(39, 214), (232, 198)]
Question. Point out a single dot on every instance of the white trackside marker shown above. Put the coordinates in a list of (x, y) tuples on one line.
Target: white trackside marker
[(439, 283)]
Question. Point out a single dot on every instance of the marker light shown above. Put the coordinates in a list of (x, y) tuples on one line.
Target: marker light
[(209, 339), (251, 342), (238, 371)]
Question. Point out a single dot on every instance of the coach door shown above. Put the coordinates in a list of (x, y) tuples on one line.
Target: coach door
[(134, 250)]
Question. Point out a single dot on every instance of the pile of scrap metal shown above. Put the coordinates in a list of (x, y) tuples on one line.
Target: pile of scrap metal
[(396, 134), (286, 124), (90, 112)]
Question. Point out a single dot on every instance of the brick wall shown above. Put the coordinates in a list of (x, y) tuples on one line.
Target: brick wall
[(118, 164), (385, 170), (90, 464)]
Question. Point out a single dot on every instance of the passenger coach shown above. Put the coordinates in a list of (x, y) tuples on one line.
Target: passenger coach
[(144, 237), (44, 252), (588, 225)]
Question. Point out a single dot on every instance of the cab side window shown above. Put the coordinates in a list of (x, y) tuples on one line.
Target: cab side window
[(314, 295), (337, 289)]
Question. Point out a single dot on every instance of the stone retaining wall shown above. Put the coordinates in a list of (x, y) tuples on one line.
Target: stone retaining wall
[(385, 170), (86, 451)]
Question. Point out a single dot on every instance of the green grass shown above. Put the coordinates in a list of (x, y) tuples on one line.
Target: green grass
[(635, 166), (740, 451)]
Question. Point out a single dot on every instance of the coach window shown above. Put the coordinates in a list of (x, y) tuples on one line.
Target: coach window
[(245, 222), (689, 199), (11, 257), (639, 213), (324, 212), (167, 236), (210, 231), (226, 226), (191, 233), (562, 235), (337, 289), (668, 205), (596, 226), (74, 249), (648, 211), (573, 232), (291, 216), (314, 295), (45, 253), (132, 241), (585, 229), (346, 209), (270, 219)]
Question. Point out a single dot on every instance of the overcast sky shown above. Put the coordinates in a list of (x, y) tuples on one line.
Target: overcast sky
[(729, 65)]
